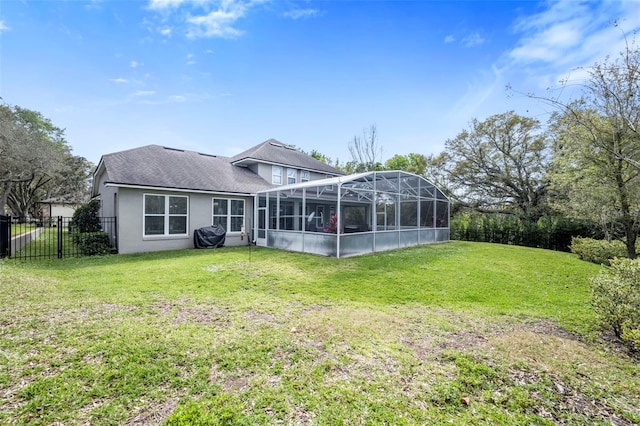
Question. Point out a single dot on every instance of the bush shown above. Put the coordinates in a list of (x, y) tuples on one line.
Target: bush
[(598, 251), (86, 218), (86, 230), (95, 243), (549, 232), (615, 296)]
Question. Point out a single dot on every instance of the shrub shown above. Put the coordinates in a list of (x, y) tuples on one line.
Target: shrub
[(86, 230), (549, 232), (95, 243), (87, 218), (598, 251), (615, 296)]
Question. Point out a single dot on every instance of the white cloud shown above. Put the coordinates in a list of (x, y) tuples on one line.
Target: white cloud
[(177, 98), (3, 27), (119, 80), (135, 64), (204, 18), (218, 23), (449, 39), (472, 40), (141, 93), (302, 13), (574, 32), (165, 4), (558, 44)]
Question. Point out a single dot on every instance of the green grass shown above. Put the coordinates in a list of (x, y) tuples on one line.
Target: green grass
[(18, 229), (466, 333)]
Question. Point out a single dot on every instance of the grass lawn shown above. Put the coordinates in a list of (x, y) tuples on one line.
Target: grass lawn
[(21, 228), (460, 333)]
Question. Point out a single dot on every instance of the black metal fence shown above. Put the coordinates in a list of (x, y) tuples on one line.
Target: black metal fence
[(5, 235), (54, 237)]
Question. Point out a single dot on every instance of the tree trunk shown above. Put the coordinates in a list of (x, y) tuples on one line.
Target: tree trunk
[(628, 221)]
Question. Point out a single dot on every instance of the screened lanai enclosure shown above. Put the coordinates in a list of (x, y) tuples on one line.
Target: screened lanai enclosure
[(351, 215)]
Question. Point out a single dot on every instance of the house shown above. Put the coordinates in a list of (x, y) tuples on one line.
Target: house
[(54, 207), (160, 195), (271, 195)]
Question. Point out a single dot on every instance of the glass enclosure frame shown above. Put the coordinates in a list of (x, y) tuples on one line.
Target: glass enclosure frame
[(352, 215)]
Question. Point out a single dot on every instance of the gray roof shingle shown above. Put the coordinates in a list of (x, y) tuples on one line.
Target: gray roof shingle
[(162, 167), (273, 151)]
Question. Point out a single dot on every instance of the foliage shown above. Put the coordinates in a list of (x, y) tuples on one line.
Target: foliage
[(36, 162), (412, 163), (597, 251), (94, 243), (86, 230), (596, 161), (592, 181), (549, 232), (499, 164), (615, 295), (86, 218), (462, 333)]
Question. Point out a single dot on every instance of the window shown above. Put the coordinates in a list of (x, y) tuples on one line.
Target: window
[(229, 213), (291, 176), (165, 214), (276, 175), (304, 176), (328, 187)]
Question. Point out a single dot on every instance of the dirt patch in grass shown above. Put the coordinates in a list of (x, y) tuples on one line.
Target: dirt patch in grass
[(228, 381), (202, 314), (180, 312), (154, 415)]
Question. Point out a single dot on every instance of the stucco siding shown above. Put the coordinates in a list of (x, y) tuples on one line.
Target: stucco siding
[(55, 210), (131, 221)]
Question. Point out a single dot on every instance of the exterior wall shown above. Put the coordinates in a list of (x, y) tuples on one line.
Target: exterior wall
[(131, 221), (265, 172), (54, 210), (107, 198)]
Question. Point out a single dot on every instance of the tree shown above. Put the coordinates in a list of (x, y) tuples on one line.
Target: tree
[(498, 165), (319, 156), (611, 96), (68, 181), (366, 153), (412, 163), (34, 160), (594, 182), (601, 135)]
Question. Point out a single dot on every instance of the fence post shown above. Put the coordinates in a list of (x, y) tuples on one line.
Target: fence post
[(5, 236), (59, 237)]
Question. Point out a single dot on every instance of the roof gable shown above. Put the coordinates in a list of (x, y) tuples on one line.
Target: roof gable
[(275, 152)]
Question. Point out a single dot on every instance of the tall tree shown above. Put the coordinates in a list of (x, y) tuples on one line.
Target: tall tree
[(610, 98), (366, 152), (499, 165), (600, 131), (33, 152), (594, 182)]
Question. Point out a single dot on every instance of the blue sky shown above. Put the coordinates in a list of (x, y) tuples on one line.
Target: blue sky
[(219, 76)]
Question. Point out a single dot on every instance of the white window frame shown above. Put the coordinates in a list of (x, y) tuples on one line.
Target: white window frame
[(276, 175), (228, 215), (305, 176), (166, 215), (292, 176)]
